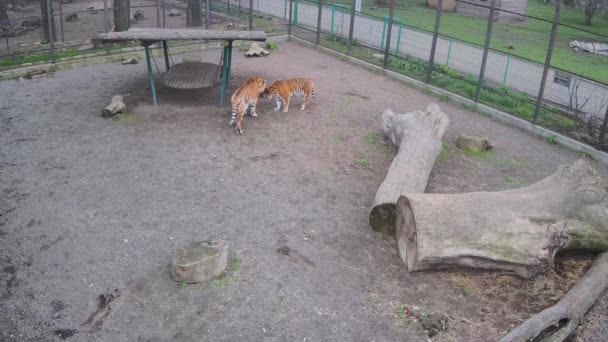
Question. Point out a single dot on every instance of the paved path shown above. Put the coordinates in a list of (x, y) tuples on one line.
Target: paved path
[(516, 73)]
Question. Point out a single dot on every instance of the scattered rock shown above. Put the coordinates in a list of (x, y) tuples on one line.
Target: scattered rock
[(130, 61), (378, 55), (71, 17), (256, 51), (174, 13), (466, 142), (200, 261), (35, 74)]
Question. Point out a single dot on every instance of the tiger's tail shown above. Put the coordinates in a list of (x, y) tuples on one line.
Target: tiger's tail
[(313, 92), (233, 118)]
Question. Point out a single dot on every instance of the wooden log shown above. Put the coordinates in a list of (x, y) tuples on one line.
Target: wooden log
[(116, 106), (515, 231), (559, 321), (418, 136), (156, 34)]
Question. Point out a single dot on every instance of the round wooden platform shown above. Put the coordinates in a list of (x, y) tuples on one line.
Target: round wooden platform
[(192, 75)]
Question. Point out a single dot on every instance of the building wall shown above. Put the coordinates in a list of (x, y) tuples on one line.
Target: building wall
[(516, 6)]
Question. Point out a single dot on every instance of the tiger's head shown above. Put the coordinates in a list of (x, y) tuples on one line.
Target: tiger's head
[(269, 91), (258, 82)]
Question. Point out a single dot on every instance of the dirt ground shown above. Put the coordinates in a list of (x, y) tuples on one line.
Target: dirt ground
[(92, 210)]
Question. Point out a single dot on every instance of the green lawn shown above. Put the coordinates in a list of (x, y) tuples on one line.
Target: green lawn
[(528, 39)]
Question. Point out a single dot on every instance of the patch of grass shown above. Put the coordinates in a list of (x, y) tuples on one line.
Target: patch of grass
[(183, 284), (482, 154), (371, 138), (362, 161), (445, 153), (272, 45), (444, 98), (336, 140), (463, 282), (399, 313), (552, 140), (509, 179), (127, 118)]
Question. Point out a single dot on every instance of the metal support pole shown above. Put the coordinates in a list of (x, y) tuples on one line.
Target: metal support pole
[(290, 17), (151, 75), (224, 76), (250, 15), (228, 10), (318, 40), (543, 81), (106, 24), (351, 28), (486, 48), (285, 10), (207, 14), (229, 61), (600, 139), (295, 13), (387, 51), (49, 12), (504, 79), (61, 21), (429, 72), (166, 53)]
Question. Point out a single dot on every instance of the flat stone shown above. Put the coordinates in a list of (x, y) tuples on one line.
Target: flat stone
[(378, 55), (256, 51), (473, 143), (192, 59), (199, 261)]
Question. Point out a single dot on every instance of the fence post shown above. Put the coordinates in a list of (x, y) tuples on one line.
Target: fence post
[(250, 15), (284, 10), (158, 13), (399, 38), (333, 16), (486, 48), (429, 72), (543, 81), (295, 13), (61, 21), (164, 16), (227, 10), (504, 79), (290, 17), (387, 51), (319, 22), (600, 139), (342, 22), (351, 28), (207, 14), (49, 11), (447, 61), (383, 32)]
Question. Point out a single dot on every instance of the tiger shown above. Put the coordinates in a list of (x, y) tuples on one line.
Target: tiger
[(282, 90), (244, 98)]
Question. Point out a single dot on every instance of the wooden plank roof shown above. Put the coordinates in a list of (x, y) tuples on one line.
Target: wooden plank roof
[(158, 34)]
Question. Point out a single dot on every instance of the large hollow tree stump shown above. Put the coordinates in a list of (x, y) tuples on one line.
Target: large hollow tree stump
[(559, 321), (418, 136), (516, 231)]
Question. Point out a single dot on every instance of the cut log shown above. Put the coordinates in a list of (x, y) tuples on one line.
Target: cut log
[(418, 137), (516, 231), (559, 321), (116, 106), (199, 261)]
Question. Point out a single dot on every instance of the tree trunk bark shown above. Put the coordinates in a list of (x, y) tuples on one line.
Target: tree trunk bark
[(193, 14), (418, 136), (46, 35), (559, 321), (516, 231), (122, 15), (3, 13)]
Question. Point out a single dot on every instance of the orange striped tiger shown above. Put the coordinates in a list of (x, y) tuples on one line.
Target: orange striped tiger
[(244, 98), (282, 90)]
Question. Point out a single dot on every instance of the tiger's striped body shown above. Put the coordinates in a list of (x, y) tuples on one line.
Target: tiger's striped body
[(246, 96), (282, 90)]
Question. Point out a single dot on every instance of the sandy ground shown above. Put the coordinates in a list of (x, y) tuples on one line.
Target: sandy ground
[(92, 210)]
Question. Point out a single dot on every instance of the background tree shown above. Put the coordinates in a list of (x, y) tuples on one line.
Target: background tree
[(590, 8)]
